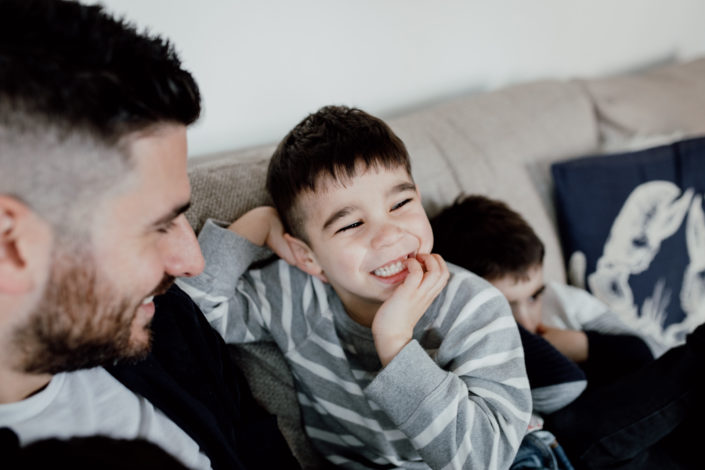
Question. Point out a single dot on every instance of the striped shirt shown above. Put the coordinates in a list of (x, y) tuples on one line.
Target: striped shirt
[(455, 397)]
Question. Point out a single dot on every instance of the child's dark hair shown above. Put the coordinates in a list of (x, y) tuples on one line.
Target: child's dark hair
[(331, 141), (486, 237)]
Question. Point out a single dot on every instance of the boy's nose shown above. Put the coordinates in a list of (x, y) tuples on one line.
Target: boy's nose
[(386, 235), (183, 257)]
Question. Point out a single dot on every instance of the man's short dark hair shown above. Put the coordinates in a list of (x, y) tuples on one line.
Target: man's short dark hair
[(76, 85), (76, 65), (331, 141), (486, 237)]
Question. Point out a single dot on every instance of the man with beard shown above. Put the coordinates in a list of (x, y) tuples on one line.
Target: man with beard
[(93, 190)]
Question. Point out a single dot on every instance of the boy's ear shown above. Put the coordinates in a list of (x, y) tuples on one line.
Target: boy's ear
[(19, 237), (305, 258)]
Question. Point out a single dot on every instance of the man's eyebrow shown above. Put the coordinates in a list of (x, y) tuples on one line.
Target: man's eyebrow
[(337, 215), (174, 213)]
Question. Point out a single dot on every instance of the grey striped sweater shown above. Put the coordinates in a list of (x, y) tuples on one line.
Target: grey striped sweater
[(456, 396)]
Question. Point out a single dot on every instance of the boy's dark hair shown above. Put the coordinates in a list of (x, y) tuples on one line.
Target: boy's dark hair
[(486, 237), (78, 68), (331, 142)]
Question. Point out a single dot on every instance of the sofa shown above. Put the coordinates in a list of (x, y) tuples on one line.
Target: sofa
[(500, 143)]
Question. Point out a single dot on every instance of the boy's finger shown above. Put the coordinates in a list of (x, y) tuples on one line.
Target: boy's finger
[(429, 263), (441, 262), (415, 272), (435, 268)]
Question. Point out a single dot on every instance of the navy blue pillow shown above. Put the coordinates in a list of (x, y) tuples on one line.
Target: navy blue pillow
[(633, 232)]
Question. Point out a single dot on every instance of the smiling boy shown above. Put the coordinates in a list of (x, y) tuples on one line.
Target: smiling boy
[(398, 359)]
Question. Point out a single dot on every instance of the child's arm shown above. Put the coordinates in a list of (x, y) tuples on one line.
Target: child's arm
[(263, 227), (571, 343), (573, 308), (467, 405), (230, 299)]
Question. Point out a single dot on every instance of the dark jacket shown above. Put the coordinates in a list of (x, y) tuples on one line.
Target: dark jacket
[(190, 377)]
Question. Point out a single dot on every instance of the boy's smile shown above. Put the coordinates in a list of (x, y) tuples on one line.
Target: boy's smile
[(361, 231), (393, 272)]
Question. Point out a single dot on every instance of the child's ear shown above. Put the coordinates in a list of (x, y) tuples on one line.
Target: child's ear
[(304, 257)]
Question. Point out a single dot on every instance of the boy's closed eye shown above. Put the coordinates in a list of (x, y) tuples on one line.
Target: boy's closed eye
[(401, 204), (537, 295), (350, 226), (396, 206)]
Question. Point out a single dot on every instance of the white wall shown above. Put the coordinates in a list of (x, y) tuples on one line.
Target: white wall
[(264, 64)]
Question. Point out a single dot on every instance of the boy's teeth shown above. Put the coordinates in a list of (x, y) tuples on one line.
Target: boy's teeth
[(390, 270), (148, 300)]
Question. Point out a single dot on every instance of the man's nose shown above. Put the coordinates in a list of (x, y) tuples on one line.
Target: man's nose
[(182, 254)]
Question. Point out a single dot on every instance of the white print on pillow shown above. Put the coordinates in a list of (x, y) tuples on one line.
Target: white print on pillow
[(653, 212)]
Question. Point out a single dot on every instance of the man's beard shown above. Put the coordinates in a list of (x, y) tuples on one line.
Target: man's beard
[(81, 322)]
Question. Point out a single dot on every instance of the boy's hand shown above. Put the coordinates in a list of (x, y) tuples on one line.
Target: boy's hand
[(393, 325), (262, 226), (571, 343)]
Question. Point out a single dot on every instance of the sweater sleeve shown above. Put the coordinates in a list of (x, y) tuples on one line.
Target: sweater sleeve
[(555, 380), (223, 292), (467, 407)]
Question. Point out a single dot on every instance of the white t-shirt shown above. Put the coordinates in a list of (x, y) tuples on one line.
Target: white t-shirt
[(572, 308), (92, 402)]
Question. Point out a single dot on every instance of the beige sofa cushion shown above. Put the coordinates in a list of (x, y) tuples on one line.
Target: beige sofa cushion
[(659, 101), (226, 185)]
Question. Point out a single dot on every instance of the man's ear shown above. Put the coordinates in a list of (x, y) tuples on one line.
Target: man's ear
[(305, 259), (20, 234)]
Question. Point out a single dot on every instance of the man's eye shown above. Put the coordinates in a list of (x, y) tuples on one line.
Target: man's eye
[(348, 227), (166, 227), (401, 204)]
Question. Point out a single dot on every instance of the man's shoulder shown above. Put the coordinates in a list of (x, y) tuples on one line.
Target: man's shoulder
[(71, 395)]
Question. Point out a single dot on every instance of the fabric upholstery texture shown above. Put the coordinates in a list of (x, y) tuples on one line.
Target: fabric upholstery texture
[(656, 101)]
